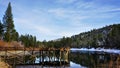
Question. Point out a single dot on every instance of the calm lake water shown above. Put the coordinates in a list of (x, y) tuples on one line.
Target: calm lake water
[(94, 59), (86, 59)]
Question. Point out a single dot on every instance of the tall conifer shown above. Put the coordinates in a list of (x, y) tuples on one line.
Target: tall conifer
[(1, 30), (10, 33)]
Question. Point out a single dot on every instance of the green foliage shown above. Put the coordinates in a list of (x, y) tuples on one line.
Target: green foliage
[(10, 33), (113, 39), (1, 30), (29, 40), (63, 42)]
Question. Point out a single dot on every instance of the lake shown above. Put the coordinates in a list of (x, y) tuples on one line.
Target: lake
[(85, 59), (95, 59)]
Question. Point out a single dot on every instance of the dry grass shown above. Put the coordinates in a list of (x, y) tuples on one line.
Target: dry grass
[(10, 44), (4, 65)]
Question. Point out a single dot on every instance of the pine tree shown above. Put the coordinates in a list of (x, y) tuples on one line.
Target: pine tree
[(10, 33), (1, 30)]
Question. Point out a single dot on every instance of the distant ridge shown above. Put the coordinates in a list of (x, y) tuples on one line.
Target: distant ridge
[(105, 37)]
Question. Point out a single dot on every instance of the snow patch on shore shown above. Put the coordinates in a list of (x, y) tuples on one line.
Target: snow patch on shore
[(97, 49)]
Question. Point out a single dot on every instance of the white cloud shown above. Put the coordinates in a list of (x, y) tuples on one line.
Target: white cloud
[(79, 14)]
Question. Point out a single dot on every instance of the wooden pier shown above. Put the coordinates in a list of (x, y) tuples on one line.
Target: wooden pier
[(31, 56)]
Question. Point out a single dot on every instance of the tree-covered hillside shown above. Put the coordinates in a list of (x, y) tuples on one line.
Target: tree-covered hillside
[(107, 37)]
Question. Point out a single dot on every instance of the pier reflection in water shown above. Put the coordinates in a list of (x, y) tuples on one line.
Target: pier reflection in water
[(47, 57), (53, 58)]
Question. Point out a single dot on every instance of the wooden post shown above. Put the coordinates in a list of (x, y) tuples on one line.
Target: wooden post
[(5, 56), (42, 57), (54, 56), (24, 56), (14, 61), (39, 56), (49, 55), (60, 58), (64, 58)]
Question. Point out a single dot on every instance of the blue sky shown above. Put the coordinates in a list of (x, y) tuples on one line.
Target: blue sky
[(53, 19)]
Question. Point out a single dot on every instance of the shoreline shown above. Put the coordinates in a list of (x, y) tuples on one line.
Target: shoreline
[(116, 51)]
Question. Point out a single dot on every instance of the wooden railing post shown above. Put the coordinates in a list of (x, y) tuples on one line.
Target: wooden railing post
[(24, 55)]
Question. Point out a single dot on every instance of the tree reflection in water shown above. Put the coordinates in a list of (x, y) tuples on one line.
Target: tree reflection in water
[(95, 59)]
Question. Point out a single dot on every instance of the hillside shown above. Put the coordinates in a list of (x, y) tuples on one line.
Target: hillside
[(104, 37), (107, 37)]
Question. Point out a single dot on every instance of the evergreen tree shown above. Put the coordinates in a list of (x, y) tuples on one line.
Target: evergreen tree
[(1, 30), (28, 40), (10, 33)]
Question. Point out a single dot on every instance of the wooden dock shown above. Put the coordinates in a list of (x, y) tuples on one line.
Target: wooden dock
[(27, 56)]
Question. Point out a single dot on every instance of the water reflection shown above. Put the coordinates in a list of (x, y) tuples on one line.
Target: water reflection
[(55, 58), (77, 59), (95, 59)]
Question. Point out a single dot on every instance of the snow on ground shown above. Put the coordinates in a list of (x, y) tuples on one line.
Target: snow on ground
[(74, 65), (97, 49)]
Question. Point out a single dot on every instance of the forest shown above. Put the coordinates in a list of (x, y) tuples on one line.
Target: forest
[(105, 37)]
